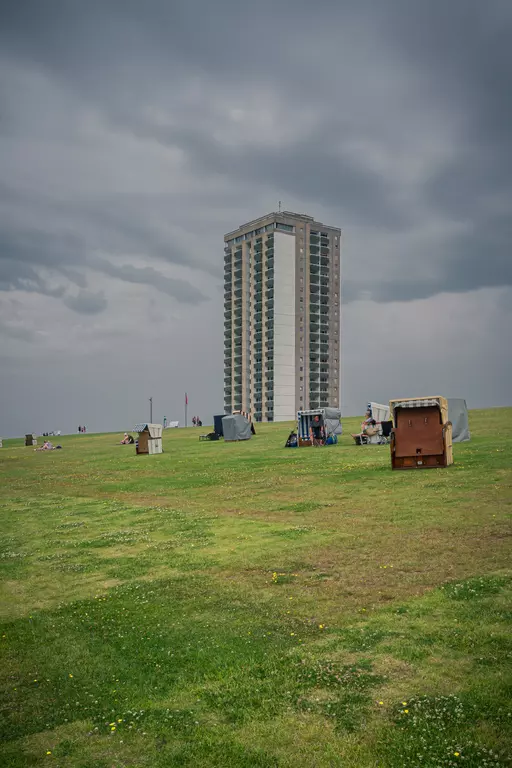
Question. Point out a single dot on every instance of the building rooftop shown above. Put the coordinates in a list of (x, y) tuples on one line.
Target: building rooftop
[(278, 215)]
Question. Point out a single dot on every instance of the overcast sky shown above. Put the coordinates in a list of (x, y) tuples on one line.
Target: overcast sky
[(134, 134)]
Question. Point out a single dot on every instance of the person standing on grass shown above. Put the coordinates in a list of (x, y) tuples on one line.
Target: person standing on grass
[(317, 430)]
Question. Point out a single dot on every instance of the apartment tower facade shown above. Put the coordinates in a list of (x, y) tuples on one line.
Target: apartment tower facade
[(282, 297)]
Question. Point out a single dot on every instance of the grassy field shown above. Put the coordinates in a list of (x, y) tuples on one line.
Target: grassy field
[(242, 605)]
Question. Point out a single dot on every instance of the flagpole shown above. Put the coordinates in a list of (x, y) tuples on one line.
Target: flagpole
[(186, 407)]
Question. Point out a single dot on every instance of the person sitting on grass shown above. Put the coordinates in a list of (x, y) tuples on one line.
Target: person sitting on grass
[(127, 439), (46, 446), (369, 429)]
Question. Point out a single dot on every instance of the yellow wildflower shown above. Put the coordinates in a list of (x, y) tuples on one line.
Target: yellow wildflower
[(381, 703), (457, 754)]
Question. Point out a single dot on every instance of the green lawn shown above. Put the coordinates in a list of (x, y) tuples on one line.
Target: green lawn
[(243, 605)]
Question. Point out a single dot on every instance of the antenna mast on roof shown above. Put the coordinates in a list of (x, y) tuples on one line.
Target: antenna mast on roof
[(279, 206)]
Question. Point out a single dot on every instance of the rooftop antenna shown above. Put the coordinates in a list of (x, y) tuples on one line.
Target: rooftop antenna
[(279, 206)]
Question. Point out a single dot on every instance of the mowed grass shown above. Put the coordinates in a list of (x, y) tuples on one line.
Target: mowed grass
[(245, 605)]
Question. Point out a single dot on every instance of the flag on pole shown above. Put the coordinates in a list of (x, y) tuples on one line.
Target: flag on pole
[(186, 399)]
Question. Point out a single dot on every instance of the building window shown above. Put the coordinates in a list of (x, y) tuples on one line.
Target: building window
[(301, 368), (302, 379)]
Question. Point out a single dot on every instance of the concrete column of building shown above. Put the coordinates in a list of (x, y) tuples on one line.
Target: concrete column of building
[(335, 319), (246, 328)]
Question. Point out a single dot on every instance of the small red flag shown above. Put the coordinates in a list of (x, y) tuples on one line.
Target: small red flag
[(186, 399)]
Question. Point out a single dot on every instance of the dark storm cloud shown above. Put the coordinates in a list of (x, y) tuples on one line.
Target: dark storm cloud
[(126, 58)]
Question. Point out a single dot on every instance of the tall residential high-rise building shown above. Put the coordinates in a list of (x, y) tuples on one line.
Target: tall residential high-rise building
[(282, 346)]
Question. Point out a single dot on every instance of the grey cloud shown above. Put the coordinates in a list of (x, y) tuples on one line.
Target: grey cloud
[(18, 276), (17, 332), (462, 73), (86, 303), (22, 254), (181, 290), (479, 258), (310, 164)]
